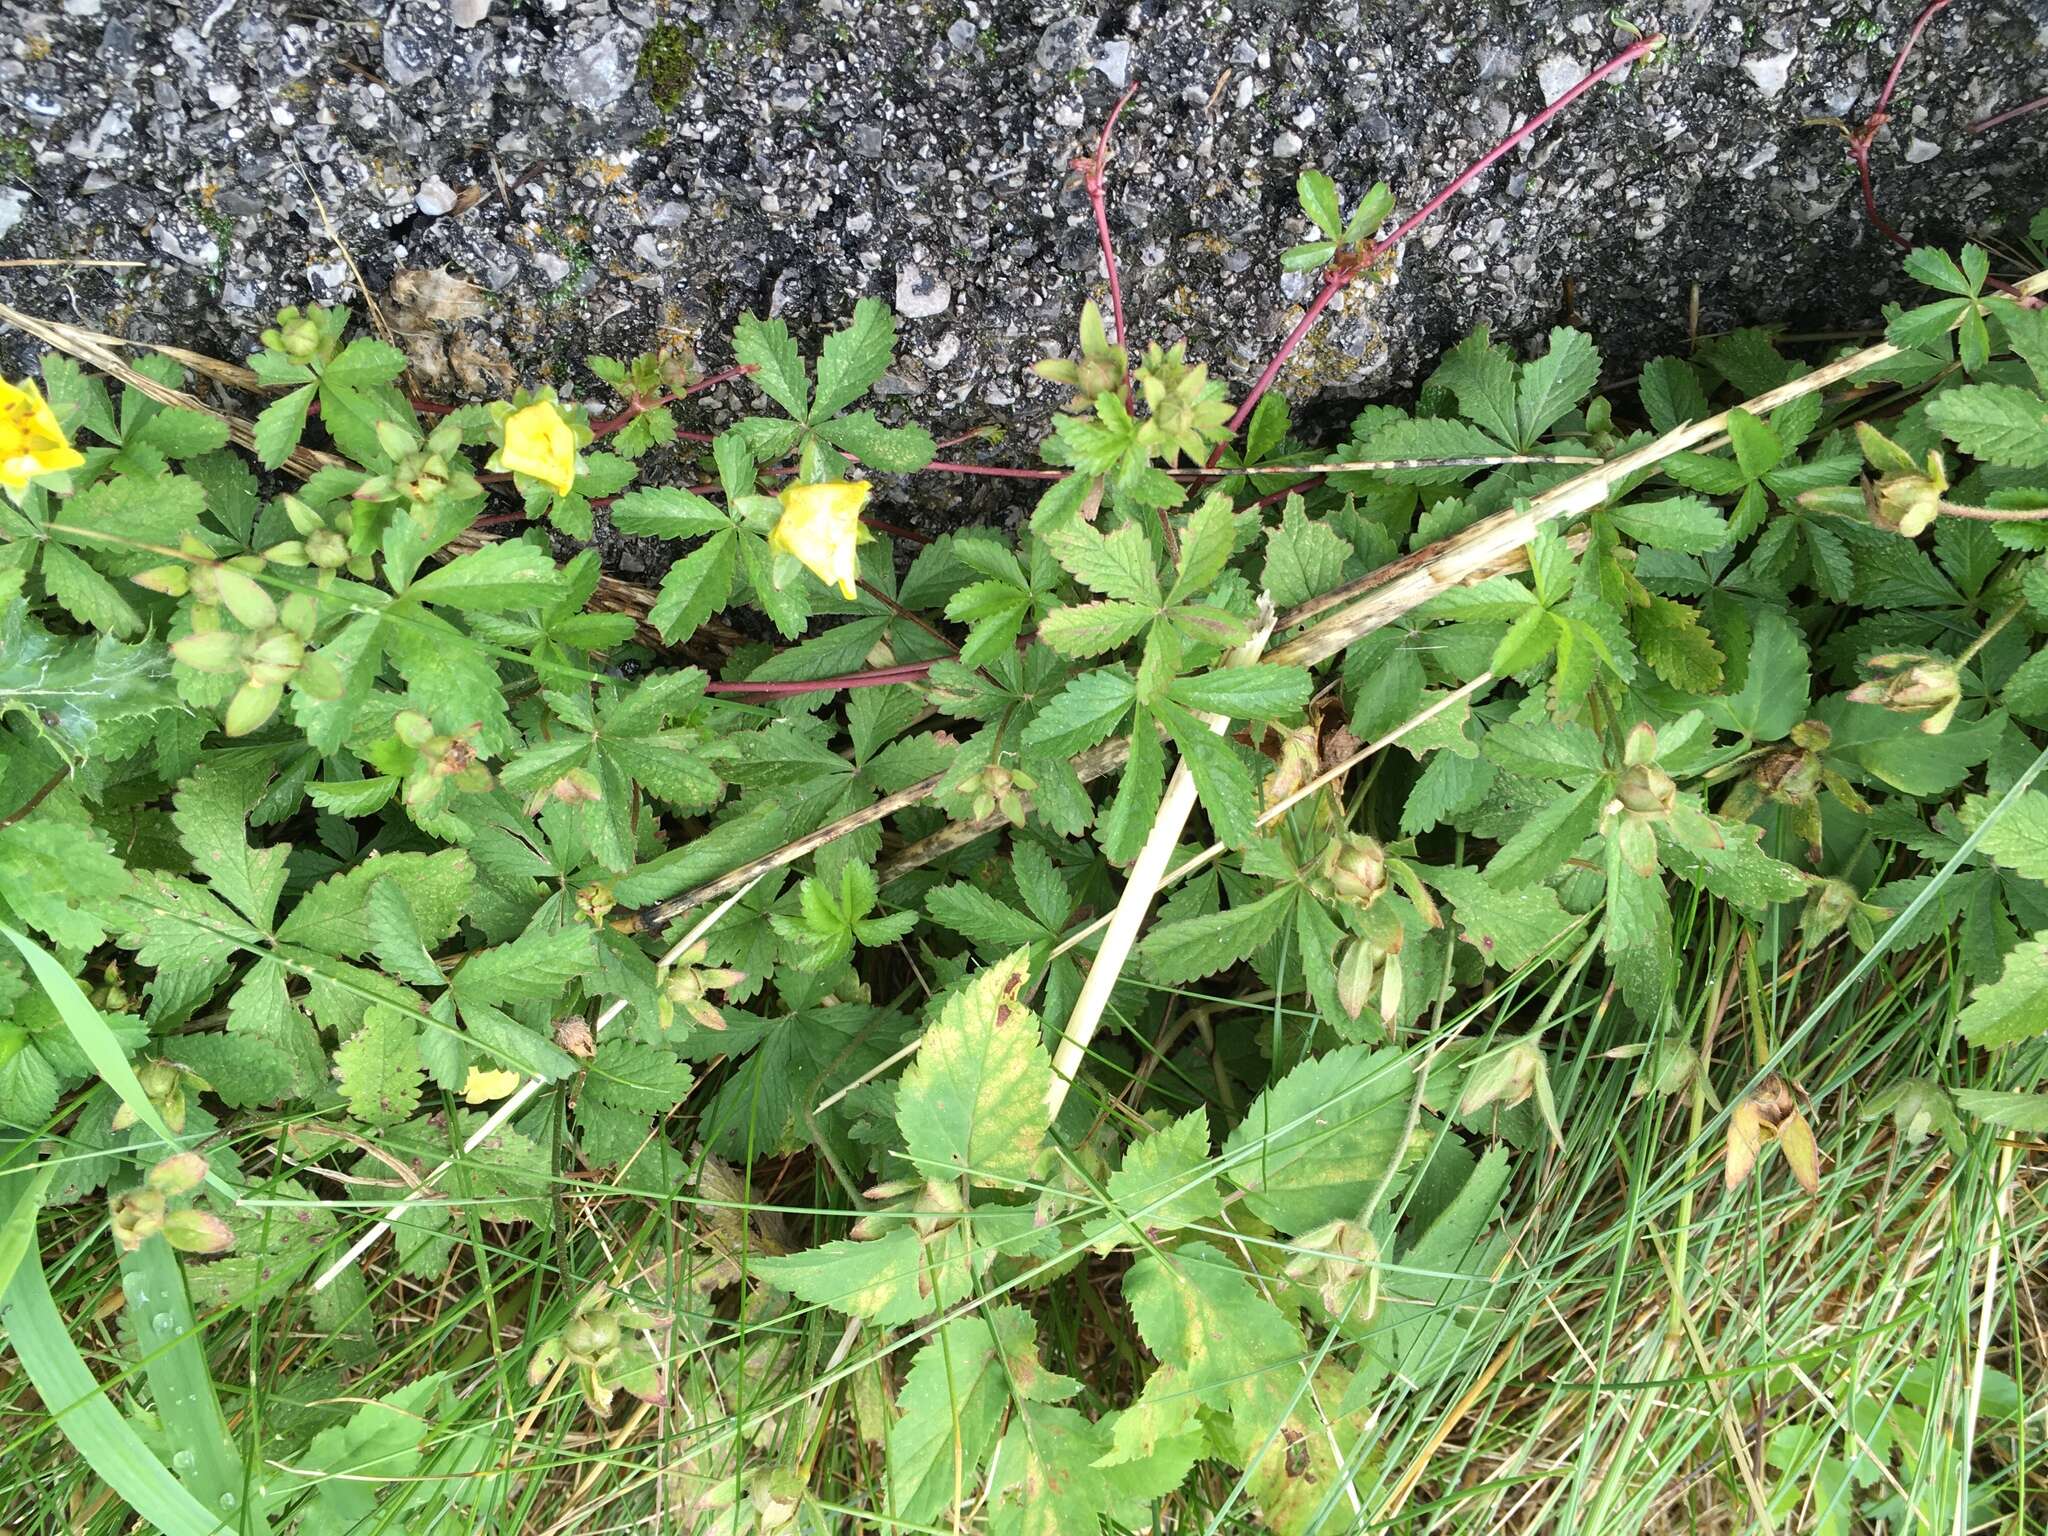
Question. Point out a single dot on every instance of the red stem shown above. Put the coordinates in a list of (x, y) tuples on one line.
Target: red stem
[(611, 424), (1345, 271), (1984, 124), (1884, 100), (1093, 172), (879, 677), (1861, 140)]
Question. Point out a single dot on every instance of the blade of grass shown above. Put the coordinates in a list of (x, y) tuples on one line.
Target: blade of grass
[(79, 1406), (19, 1229), (97, 1041), (174, 1360)]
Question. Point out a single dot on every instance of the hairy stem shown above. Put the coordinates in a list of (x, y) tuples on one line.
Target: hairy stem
[(1345, 271)]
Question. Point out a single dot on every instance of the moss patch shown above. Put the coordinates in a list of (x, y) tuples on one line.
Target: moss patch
[(668, 61)]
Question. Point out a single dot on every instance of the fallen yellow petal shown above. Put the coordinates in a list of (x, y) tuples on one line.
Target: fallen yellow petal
[(486, 1085)]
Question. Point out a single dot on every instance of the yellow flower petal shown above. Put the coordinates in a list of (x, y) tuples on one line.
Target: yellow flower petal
[(538, 442), (488, 1084), (820, 526), (31, 442)]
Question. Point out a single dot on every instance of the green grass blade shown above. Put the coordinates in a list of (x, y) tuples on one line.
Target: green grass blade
[(98, 1042), (174, 1359), (18, 1231), (79, 1407)]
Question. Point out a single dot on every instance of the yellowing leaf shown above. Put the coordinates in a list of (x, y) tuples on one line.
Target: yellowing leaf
[(977, 1099)]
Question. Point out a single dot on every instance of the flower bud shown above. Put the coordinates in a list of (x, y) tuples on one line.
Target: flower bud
[(595, 901), (1910, 684), (1339, 1258), (198, 1232), (1829, 905), (1771, 1115), (1505, 1076), (1646, 790), (1356, 868), (137, 1216), (179, 1174), (590, 1336)]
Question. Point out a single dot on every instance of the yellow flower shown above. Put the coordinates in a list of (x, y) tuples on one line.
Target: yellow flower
[(31, 442), (820, 525), (539, 443), (487, 1084)]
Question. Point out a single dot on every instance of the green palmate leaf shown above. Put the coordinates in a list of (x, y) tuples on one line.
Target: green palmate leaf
[(1738, 871), (58, 874), (996, 611), (1683, 523), (1194, 947), (695, 587), (1205, 548), (1318, 195), (1118, 565), (878, 1280), (852, 359), (1757, 449), (71, 692), (1310, 1147), (1303, 559), (491, 580), (778, 370), (1774, 693), (951, 1408), (1048, 1484), (1090, 629), (1638, 939), (668, 512), (1244, 693), (632, 1074), (1555, 382), (1222, 781), (2026, 1113), (2018, 840), (1509, 927), (1307, 256), (969, 910), (976, 1101), (280, 425), (1892, 748), (379, 1068), (377, 1447), (1430, 438), (2000, 423), (1165, 1184), (893, 450), (1229, 1348), (1676, 645), (1546, 839), (2014, 1007), (538, 967), (87, 595), (1482, 376), (334, 916), (1671, 394), (211, 815)]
